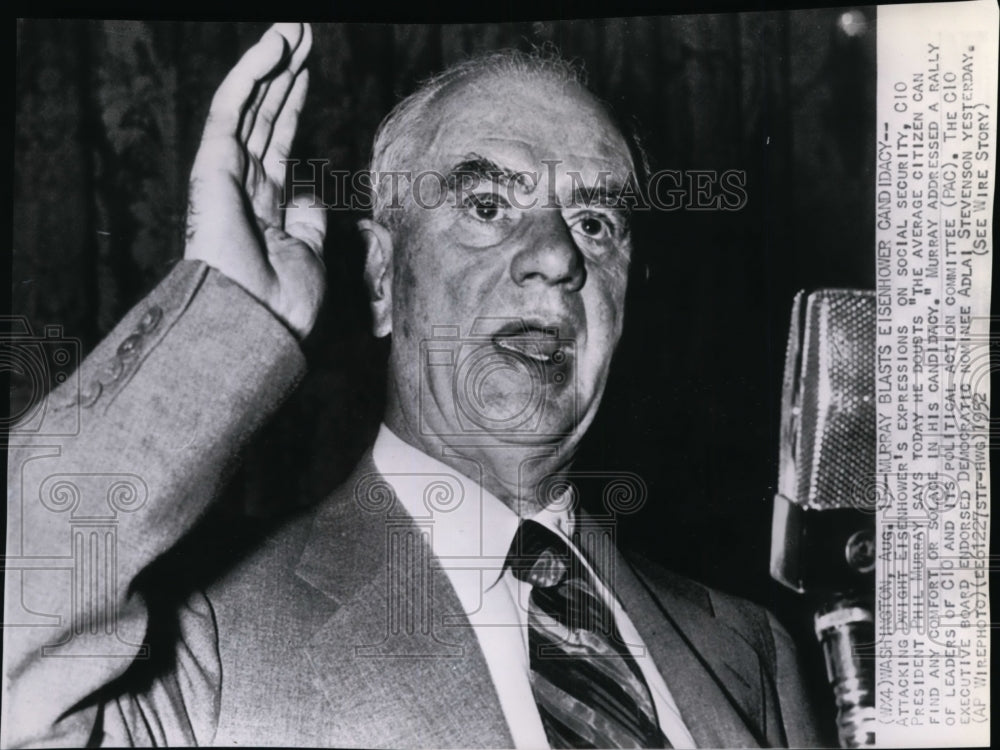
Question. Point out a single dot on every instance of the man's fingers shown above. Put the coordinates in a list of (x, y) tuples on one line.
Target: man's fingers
[(232, 97), (276, 95), (305, 220), (249, 115), (280, 145), (305, 46), (293, 35)]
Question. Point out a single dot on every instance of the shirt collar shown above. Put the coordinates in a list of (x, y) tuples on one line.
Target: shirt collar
[(468, 524)]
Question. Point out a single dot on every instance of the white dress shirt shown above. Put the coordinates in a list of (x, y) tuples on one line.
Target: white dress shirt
[(471, 534)]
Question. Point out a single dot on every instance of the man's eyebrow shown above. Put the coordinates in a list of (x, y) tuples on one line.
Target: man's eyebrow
[(480, 167), (611, 194), (604, 193)]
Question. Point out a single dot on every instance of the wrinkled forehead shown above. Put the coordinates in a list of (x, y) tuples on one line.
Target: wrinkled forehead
[(533, 123)]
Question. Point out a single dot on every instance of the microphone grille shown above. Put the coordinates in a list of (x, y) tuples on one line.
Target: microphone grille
[(834, 453)]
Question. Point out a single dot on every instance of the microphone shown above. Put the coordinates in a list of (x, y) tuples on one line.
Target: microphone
[(823, 528)]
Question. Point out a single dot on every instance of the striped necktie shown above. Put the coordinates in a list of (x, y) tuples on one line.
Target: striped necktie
[(589, 689)]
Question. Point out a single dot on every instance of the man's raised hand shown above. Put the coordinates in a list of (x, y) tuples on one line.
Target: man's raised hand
[(235, 222)]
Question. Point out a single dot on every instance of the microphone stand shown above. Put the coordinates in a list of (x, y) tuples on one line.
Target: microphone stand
[(844, 626)]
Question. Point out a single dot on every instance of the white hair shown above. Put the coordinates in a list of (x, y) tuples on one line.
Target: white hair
[(398, 137)]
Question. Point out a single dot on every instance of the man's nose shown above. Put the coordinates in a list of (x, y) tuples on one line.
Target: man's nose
[(550, 256)]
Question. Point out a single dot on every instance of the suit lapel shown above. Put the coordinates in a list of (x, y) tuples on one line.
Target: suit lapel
[(393, 672), (396, 676), (713, 675), (713, 696)]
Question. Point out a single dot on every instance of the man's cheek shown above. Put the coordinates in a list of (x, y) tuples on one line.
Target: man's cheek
[(613, 308), (409, 320), (604, 305)]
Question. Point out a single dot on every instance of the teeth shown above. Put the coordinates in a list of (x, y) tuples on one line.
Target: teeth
[(531, 350)]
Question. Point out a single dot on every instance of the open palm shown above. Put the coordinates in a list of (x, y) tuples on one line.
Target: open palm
[(236, 221)]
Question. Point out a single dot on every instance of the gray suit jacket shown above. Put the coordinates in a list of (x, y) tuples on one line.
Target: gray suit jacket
[(340, 629)]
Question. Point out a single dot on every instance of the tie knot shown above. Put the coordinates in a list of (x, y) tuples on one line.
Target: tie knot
[(538, 556)]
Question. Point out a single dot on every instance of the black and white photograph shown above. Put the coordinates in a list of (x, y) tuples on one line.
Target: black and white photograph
[(502, 384)]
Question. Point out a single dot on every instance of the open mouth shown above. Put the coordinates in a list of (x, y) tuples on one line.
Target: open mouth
[(534, 342)]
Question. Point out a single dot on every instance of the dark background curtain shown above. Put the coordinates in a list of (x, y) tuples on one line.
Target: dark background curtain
[(108, 117)]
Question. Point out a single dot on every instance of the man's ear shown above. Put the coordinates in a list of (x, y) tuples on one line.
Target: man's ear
[(378, 274)]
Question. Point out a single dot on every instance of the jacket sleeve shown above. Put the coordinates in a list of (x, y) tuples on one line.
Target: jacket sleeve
[(108, 472)]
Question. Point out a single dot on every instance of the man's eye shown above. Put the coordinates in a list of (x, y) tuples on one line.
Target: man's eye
[(486, 207), (596, 227)]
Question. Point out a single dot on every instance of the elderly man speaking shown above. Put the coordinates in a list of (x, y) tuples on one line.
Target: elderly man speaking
[(450, 593)]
